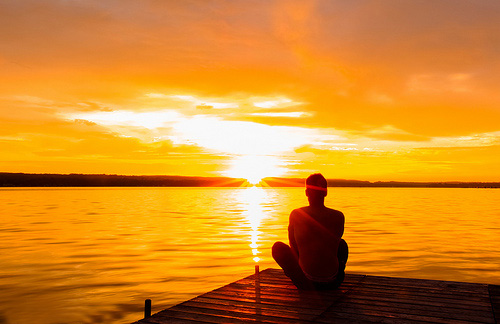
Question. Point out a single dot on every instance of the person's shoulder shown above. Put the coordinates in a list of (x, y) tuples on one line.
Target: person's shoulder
[(297, 212), (335, 212)]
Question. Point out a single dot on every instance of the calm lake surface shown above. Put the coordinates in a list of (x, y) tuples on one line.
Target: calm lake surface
[(93, 255)]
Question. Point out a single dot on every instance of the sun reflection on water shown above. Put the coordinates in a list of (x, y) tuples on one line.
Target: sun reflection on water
[(252, 199)]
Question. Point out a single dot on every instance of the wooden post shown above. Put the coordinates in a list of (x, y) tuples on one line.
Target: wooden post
[(257, 284), (147, 308)]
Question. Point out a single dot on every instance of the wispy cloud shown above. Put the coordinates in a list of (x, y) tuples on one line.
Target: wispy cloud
[(150, 120), (291, 114), (276, 103), (438, 83)]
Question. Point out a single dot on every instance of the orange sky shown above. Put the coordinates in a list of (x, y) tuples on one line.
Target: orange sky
[(370, 90)]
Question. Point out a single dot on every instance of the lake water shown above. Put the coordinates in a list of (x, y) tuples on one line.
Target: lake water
[(93, 255)]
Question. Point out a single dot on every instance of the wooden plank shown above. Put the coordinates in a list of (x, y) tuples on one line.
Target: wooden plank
[(494, 291), (479, 289), (267, 280), (437, 314), (411, 294), (280, 291), (156, 320), (421, 300), (274, 300), (280, 281), (335, 317), (288, 283), (480, 298), (443, 307), (270, 289), (437, 285), (254, 308), (377, 317), (171, 315), (227, 316), (276, 296), (263, 305), (391, 313), (280, 275)]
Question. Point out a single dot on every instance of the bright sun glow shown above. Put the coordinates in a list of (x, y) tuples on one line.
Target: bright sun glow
[(255, 167), (240, 137), (257, 149)]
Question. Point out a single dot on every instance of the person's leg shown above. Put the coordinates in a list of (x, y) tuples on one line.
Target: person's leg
[(283, 255), (342, 255), (343, 252)]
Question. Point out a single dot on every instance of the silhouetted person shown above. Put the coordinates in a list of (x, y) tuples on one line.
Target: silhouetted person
[(317, 255)]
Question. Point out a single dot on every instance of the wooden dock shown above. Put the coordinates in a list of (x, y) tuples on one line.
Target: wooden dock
[(270, 297)]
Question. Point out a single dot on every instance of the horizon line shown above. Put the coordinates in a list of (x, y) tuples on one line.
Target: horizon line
[(243, 179)]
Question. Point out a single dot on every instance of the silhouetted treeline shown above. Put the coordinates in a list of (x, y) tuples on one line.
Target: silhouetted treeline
[(297, 182), (112, 180)]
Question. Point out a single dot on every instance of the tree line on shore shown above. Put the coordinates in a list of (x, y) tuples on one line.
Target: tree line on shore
[(113, 180)]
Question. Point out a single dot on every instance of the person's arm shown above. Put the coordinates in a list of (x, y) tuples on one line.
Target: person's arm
[(291, 235)]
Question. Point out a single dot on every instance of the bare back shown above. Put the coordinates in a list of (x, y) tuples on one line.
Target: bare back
[(314, 234)]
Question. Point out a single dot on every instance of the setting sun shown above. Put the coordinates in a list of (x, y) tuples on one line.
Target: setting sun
[(254, 168)]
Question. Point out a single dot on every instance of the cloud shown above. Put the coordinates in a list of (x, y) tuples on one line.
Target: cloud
[(391, 133), (275, 103), (437, 84), (26, 108), (33, 100), (212, 133), (92, 106), (150, 120), (202, 103), (379, 98), (204, 106), (291, 114)]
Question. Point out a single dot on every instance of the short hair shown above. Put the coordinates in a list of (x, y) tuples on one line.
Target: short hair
[(317, 179)]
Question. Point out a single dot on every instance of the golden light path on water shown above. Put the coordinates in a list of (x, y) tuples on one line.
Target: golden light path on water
[(252, 199)]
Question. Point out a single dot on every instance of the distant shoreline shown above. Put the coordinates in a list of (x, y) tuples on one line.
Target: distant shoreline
[(113, 180)]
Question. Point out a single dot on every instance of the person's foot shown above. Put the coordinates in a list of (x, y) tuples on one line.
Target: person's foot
[(304, 286), (342, 265)]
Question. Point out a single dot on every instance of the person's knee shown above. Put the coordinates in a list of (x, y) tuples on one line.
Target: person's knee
[(343, 251), (343, 245), (278, 249)]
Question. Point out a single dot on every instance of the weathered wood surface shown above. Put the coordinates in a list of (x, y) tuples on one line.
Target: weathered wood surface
[(270, 297)]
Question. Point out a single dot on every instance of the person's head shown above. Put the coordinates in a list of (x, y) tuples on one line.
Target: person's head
[(316, 188)]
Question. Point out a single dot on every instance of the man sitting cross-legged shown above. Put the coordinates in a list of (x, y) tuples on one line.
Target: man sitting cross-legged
[(317, 255)]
